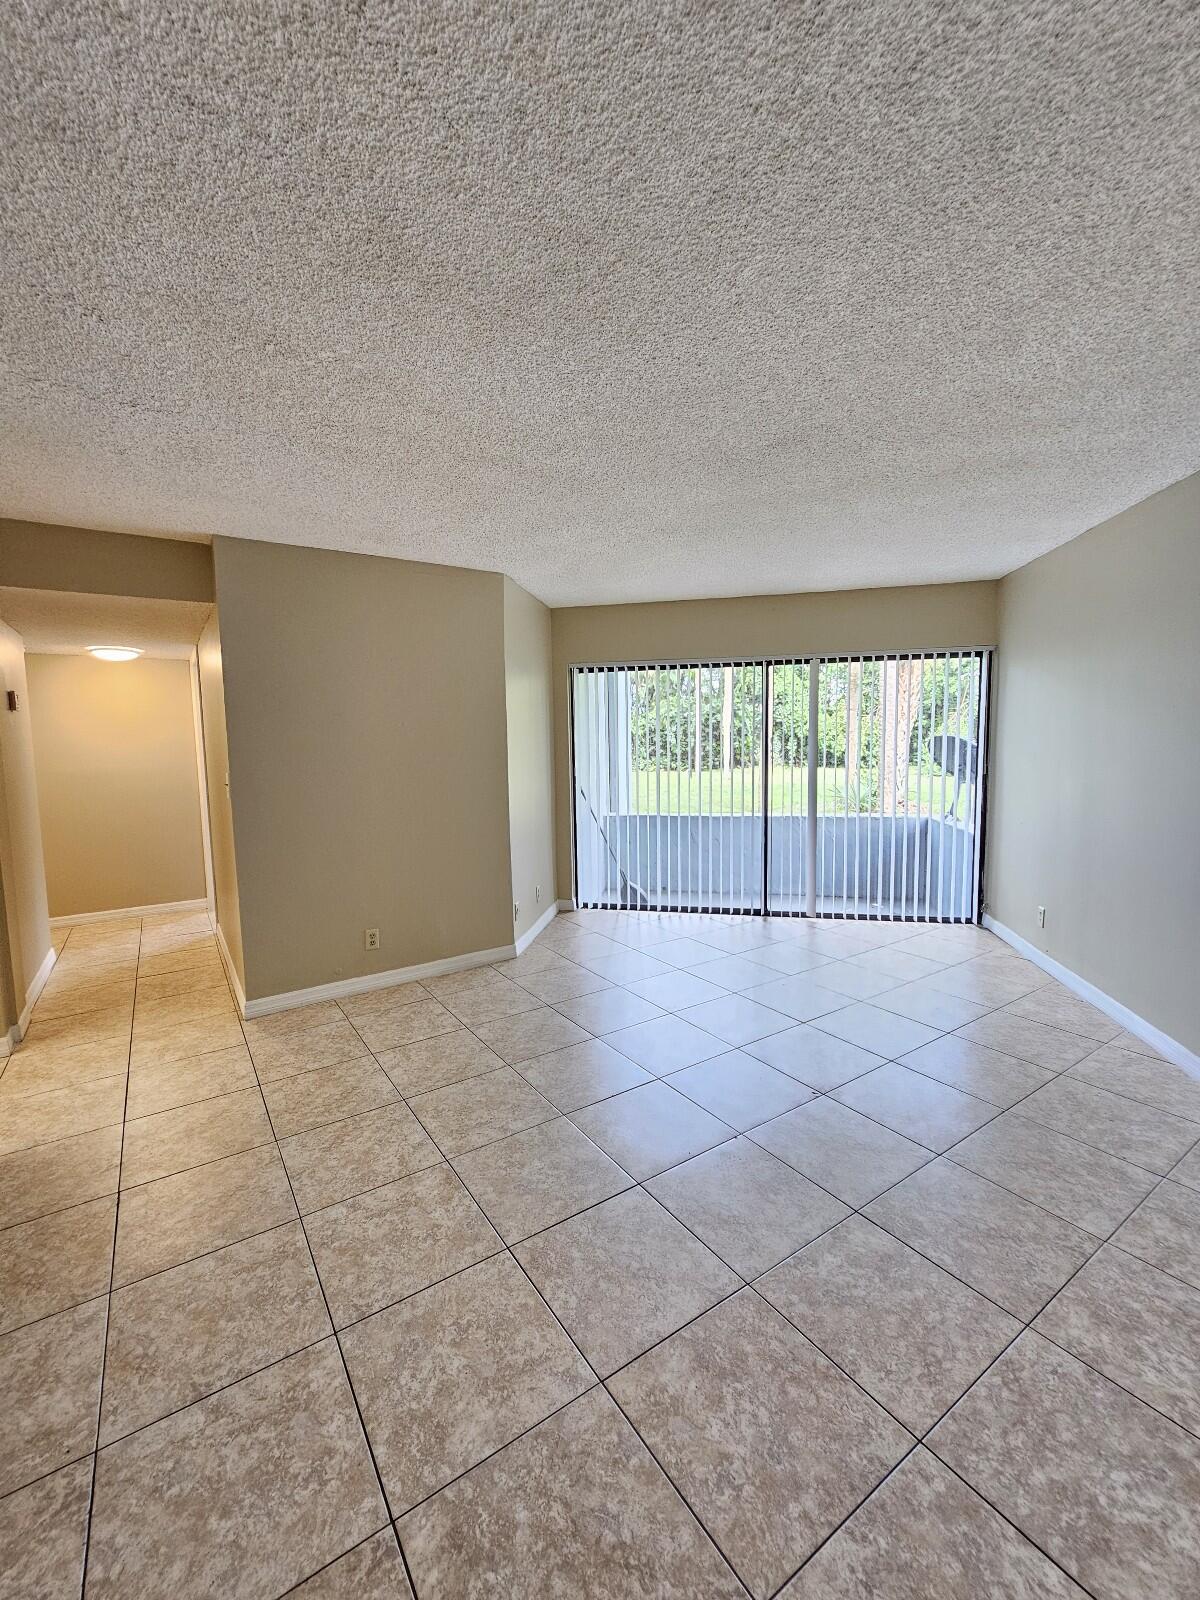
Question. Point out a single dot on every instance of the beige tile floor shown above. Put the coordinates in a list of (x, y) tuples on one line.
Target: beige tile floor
[(677, 1257)]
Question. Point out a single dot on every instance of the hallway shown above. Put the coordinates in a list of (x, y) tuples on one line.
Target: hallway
[(679, 1256)]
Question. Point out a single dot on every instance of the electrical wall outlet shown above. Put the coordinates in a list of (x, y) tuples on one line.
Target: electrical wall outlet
[(537, 894), (516, 911), (371, 938), (1041, 916)]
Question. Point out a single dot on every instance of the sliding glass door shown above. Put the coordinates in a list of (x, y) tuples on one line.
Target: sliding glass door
[(827, 786), (668, 808), (881, 818)]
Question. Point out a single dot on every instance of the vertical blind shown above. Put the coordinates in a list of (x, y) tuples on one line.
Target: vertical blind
[(668, 786), (842, 786)]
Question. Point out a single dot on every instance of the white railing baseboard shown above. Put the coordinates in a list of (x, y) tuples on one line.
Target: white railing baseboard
[(16, 1032), (10, 1040), (35, 989), (267, 1005), (544, 921), (161, 910), (1170, 1049), (235, 983)]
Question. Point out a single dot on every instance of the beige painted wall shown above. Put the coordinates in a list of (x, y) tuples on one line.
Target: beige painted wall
[(26, 942), (528, 688), (930, 617), (220, 814), (1095, 800), (42, 555), (9, 1009), (368, 760), (118, 792)]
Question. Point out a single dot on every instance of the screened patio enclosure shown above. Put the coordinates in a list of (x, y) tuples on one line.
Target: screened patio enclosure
[(840, 786)]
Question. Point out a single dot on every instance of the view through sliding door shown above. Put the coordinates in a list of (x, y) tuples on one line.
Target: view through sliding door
[(876, 794), (668, 786), (829, 786)]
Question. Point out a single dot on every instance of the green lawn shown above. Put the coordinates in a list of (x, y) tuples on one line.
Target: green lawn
[(740, 793)]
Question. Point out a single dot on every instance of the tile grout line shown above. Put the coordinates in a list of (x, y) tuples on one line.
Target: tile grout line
[(341, 1354), (998, 1112), (604, 1381), (1024, 1328), (106, 1295), (935, 1155), (989, 1009), (1111, 1243), (209, 1394), (510, 1251), (73, 1205), (1047, 1127), (948, 1153), (78, 1133), (1004, 1517), (1121, 1094), (556, 1114), (203, 1255), (1029, 1329), (506, 1250), (127, 1074), (385, 1527), (815, 1022), (918, 1440), (944, 1156), (1104, 1243), (601, 1382), (112, 1264), (919, 1445), (659, 1078)]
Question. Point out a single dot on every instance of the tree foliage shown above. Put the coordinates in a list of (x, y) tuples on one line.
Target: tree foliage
[(711, 717)]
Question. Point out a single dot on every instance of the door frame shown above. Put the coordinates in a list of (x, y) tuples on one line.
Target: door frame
[(985, 655)]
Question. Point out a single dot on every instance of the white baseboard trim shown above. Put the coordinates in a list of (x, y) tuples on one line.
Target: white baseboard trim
[(130, 911), (1170, 1049), (268, 1004), (10, 1040), (235, 983), (35, 989), (544, 921), (566, 905)]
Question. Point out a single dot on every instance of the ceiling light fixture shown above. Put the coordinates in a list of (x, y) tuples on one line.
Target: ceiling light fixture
[(113, 652)]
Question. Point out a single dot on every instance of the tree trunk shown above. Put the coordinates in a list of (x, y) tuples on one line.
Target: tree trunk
[(853, 741), (901, 702)]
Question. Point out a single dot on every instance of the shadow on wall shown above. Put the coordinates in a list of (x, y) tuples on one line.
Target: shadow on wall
[(25, 952)]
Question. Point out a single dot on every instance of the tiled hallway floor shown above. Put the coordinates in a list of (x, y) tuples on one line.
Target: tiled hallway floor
[(680, 1257)]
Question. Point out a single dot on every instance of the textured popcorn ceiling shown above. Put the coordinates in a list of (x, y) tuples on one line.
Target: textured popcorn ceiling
[(629, 300)]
